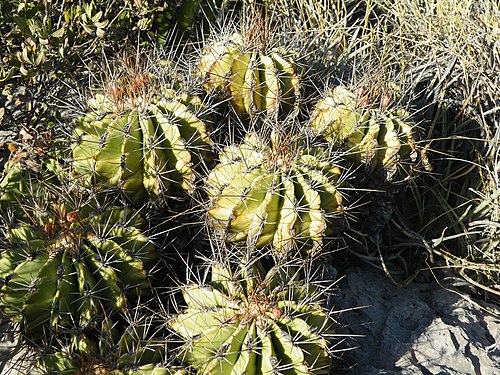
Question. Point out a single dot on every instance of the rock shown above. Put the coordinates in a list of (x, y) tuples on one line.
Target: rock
[(419, 329)]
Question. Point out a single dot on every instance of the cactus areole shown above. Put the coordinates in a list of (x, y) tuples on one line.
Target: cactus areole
[(142, 147), (256, 81), (66, 258), (253, 322), (374, 136), (278, 192)]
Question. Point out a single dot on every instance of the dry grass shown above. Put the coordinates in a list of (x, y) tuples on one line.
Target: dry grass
[(445, 57)]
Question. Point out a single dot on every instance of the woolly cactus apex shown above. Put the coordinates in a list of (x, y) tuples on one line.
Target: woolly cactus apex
[(257, 81), (143, 147), (66, 257), (374, 136), (251, 321), (279, 192)]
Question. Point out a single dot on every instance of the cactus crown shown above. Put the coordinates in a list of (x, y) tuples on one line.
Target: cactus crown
[(132, 86), (255, 26), (279, 150)]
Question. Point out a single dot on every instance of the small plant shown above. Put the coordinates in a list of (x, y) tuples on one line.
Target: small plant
[(140, 140), (279, 191), (67, 256), (253, 321), (374, 136)]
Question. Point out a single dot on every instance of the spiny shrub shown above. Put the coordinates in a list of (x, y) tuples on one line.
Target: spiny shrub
[(55, 36), (279, 191), (37, 38), (141, 141), (375, 136), (66, 256), (258, 80), (253, 321)]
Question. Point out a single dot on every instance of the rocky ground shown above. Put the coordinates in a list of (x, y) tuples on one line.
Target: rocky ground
[(423, 328)]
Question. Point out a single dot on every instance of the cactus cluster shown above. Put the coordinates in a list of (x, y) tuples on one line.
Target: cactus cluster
[(257, 82), (276, 191), (373, 136), (66, 256), (75, 256), (252, 321), (142, 146)]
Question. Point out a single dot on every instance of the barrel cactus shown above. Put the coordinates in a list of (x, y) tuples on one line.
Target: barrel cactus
[(257, 81), (374, 136), (66, 256), (129, 350), (250, 321), (64, 364), (279, 192), (142, 146)]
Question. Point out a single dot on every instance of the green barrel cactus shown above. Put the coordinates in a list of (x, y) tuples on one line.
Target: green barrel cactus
[(254, 322), (278, 192), (257, 81), (142, 146), (374, 136), (118, 351), (66, 257)]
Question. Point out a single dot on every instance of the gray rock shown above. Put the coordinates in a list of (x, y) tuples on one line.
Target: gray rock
[(419, 329)]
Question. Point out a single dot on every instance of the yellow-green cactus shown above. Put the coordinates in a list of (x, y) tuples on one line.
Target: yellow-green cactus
[(129, 350), (67, 257), (282, 193), (257, 81), (374, 136), (253, 322), (142, 146)]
